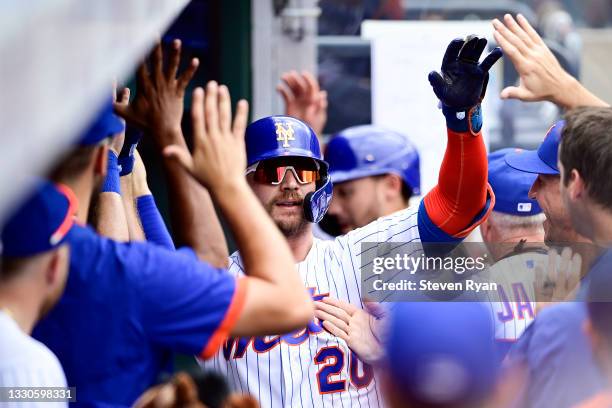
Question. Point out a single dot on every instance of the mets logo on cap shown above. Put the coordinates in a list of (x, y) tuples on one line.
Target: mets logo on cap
[(284, 132)]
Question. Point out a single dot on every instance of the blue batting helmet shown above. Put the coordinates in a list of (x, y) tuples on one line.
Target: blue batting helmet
[(367, 150), (284, 136)]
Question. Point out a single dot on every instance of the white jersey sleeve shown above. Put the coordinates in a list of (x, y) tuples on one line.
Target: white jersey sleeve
[(26, 362)]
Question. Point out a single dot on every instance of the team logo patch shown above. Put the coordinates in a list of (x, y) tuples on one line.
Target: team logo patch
[(284, 133), (523, 207), (475, 119)]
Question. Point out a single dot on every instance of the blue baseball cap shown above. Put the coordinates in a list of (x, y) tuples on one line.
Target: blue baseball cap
[(442, 353), (368, 150), (511, 186), (543, 160), (42, 222), (105, 124)]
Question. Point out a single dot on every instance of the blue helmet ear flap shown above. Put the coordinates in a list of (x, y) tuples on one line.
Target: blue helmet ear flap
[(316, 203)]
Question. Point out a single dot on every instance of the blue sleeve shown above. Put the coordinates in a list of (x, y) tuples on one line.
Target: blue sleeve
[(187, 305), (152, 223), (558, 358)]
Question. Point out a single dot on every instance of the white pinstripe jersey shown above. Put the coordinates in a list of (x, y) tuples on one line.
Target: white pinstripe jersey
[(311, 367), (26, 362), (515, 276)]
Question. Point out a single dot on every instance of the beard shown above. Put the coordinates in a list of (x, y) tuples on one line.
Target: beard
[(290, 225)]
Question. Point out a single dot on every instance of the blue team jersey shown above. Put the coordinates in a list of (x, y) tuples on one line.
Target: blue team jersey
[(557, 354), (127, 307)]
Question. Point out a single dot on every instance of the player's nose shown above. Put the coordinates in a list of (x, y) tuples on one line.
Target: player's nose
[(534, 188), (289, 181)]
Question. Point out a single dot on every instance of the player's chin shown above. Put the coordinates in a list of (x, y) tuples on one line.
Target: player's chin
[(293, 213), (288, 217)]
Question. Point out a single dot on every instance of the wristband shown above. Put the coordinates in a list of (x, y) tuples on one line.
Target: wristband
[(112, 183), (462, 121), (126, 157)]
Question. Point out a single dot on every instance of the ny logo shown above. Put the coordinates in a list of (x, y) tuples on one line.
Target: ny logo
[(283, 133)]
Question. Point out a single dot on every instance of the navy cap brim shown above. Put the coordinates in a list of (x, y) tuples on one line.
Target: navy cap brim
[(529, 162)]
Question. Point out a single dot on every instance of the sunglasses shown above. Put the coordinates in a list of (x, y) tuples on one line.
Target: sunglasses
[(273, 171)]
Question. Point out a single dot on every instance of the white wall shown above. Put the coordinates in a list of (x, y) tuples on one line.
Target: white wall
[(276, 49), (57, 61)]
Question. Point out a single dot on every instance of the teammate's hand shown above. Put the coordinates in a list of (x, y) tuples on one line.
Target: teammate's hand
[(219, 155), (362, 330), (181, 392), (304, 99), (541, 76), (463, 81), (139, 177), (118, 140), (159, 101), (561, 279)]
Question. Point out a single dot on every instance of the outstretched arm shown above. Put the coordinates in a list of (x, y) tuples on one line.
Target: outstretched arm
[(109, 214), (460, 201), (158, 109), (153, 225), (541, 76)]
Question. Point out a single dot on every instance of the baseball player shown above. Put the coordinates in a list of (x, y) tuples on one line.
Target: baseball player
[(514, 236), (134, 305), (33, 271), (374, 170), (312, 367), (554, 348)]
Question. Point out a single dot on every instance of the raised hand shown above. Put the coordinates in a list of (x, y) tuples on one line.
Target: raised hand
[(462, 82), (180, 391), (219, 155), (119, 100), (541, 76), (561, 279), (304, 99), (158, 105)]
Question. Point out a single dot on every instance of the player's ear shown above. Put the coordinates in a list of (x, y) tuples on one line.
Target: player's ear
[(393, 186), (576, 185), (53, 267), (101, 160), (486, 230)]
